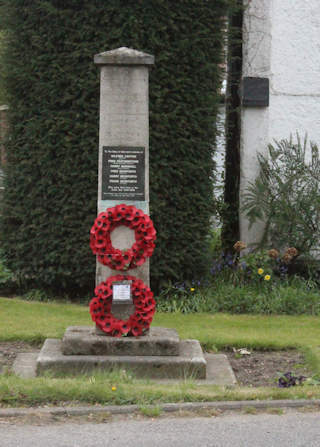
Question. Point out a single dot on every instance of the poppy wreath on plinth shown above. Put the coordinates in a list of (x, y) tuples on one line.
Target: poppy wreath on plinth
[(143, 301), (133, 218)]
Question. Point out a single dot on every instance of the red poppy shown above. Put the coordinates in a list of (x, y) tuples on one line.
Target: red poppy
[(136, 329), (106, 222), (108, 326), (139, 321)]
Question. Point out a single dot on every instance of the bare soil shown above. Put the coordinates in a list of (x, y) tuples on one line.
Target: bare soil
[(10, 349), (256, 369), (263, 368)]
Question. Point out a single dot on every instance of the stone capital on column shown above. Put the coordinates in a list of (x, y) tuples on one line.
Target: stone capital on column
[(124, 56)]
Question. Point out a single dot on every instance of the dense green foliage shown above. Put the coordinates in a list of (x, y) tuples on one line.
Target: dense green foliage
[(295, 297), (52, 88), (286, 196), (257, 282)]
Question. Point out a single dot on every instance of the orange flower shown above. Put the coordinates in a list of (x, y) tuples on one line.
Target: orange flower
[(238, 246), (292, 252), (273, 253), (287, 258)]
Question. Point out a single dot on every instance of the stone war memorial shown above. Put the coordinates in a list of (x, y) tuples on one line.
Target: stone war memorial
[(123, 239)]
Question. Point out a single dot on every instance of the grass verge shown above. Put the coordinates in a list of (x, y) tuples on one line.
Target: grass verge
[(33, 321), (99, 390)]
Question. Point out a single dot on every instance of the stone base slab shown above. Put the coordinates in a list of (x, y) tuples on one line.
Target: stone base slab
[(84, 340), (219, 371), (189, 363)]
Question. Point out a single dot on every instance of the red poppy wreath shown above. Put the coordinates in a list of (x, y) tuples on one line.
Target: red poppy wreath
[(107, 221), (138, 323)]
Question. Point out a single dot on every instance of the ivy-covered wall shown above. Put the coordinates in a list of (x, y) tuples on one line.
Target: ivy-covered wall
[(52, 89)]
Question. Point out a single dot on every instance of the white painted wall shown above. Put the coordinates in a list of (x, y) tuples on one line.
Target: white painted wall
[(281, 42)]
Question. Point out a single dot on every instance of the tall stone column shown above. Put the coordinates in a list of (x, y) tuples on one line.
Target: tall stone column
[(124, 142)]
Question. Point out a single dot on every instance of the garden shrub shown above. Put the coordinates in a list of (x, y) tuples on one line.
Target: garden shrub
[(52, 88), (257, 282), (286, 197)]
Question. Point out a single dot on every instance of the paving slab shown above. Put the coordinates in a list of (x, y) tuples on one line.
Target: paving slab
[(84, 340), (219, 371), (189, 363), (25, 364)]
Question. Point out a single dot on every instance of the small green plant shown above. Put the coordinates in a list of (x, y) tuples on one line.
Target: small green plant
[(249, 410), (286, 196), (150, 411), (314, 380), (7, 278), (183, 297), (36, 295), (287, 380), (278, 411)]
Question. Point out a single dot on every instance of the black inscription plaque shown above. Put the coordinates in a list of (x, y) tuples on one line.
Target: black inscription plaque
[(255, 92), (123, 173)]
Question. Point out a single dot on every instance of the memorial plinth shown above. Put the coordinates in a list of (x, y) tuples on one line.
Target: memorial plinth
[(160, 354), (83, 340)]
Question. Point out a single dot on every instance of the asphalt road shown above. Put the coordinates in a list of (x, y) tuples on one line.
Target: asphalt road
[(294, 429)]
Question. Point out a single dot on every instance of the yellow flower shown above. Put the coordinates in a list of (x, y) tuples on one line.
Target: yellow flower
[(192, 289), (260, 271), (114, 388), (267, 278)]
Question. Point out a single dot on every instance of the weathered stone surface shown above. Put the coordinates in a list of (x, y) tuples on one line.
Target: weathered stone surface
[(84, 340), (122, 311), (190, 362), (124, 122), (219, 371), (123, 56), (25, 364)]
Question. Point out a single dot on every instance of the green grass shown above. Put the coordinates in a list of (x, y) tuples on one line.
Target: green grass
[(151, 412), (34, 321), (29, 321), (98, 390), (253, 331)]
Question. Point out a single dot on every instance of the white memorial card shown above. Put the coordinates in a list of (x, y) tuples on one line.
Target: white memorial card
[(121, 292)]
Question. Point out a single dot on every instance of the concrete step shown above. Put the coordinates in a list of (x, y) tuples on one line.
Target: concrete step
[(219, 371), (189, 363)]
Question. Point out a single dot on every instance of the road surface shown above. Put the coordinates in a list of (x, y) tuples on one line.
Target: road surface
[(292, 429)]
